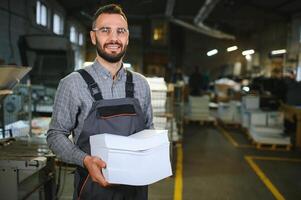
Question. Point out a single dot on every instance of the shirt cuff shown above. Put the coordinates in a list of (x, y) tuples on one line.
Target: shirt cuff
[(79, 157)]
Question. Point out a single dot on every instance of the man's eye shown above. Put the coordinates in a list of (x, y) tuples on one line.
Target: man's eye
[(121, 31), (105, 30)]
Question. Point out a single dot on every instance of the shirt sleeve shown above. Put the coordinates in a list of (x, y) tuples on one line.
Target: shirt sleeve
[(65, 109)]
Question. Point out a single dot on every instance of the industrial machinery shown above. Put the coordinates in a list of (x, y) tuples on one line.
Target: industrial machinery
[(10, 76), (27, 167), (50, 63)]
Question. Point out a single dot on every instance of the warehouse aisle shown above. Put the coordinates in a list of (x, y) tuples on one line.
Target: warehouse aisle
[(214, 169)]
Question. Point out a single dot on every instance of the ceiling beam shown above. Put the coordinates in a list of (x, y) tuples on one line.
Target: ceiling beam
[(199, 19), (204, 11), (203, 29), (170, 4)]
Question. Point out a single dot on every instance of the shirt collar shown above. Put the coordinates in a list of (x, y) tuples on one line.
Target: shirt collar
[(106, 74)]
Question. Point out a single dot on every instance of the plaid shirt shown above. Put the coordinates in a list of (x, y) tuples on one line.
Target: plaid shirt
[(73, 102)]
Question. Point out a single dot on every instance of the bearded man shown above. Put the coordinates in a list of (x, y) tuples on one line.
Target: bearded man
[(101, 98)]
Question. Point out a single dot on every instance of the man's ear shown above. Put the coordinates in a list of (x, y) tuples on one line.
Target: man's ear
[(93, 37)]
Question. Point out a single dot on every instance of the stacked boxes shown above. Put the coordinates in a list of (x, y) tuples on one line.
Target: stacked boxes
[(162, 119), (158, 94), (199, 107), (250, 104), (229, 112), (265, 127), (160, 122)]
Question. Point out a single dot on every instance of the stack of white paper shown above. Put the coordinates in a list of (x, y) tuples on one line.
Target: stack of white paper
[(139, 159), (250, 102), (229, 112), (160, 122), (158, 94), (18, 129)]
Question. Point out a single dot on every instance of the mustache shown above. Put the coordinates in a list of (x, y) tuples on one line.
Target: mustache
[(110, 43)]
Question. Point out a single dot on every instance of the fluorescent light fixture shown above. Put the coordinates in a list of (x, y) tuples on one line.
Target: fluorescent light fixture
[(248, 57), (279, 51), (233, 48), (212, 52), (248, 52), (246, 88)]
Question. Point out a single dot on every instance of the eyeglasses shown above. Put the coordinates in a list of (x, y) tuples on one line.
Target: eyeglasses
[(121, 32)]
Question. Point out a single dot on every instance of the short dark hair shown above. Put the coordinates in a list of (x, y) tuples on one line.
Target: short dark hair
[(108, 9)]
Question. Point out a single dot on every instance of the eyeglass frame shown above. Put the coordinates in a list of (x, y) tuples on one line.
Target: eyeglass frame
[(110, 30)]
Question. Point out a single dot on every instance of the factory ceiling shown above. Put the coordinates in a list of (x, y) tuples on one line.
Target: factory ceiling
[(224, 18)]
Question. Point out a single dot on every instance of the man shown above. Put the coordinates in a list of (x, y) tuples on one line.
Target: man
[(195, 82), (103, 97)]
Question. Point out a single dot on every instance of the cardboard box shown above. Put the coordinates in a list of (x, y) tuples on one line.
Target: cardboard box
[(250, 102), (139, 159), (275, 118), (258, 118)]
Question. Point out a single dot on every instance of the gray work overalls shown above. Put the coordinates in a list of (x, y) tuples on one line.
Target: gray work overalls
[(117, 116)]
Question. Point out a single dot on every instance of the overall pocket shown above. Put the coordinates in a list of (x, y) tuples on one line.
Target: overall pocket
[(117, 119)]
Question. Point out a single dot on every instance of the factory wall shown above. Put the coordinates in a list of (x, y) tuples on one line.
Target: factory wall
[(273, 37), (294, 56), (18, 18)]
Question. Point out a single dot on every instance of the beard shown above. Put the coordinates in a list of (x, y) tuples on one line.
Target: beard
[(111, 58)]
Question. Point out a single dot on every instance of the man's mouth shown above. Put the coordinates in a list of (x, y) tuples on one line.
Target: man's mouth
[(113, 47)]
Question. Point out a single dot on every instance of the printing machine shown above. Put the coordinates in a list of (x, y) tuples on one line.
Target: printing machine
[(50, 63), (27, 166), (27, 170)]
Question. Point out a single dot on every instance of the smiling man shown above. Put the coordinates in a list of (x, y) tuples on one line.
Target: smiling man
[(102, 98)]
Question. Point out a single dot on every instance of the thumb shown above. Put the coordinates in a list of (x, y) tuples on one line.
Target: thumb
[(101, 163)]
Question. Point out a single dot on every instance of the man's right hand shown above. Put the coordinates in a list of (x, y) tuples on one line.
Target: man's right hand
[(94, 166)]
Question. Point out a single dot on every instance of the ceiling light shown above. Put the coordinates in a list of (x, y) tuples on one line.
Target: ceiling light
[(233, 48), (246, 88), (212, 52), (248, 52), (279, 51), (248, 57)]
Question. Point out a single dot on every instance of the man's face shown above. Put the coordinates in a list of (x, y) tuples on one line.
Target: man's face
[(111, 36)]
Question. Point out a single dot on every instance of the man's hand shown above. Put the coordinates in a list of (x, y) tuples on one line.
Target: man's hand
[(94, 166)]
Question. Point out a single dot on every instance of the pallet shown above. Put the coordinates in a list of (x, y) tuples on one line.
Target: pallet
[(273, 147), (229, 124), (201, 121), (264, 144)]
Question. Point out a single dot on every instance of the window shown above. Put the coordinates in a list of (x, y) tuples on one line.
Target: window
[(159, 32), (41, 14), (298, 78), (80, 39), (58, 24), (73, 34)]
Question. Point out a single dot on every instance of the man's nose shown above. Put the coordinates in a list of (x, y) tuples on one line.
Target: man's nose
[(113, 34)]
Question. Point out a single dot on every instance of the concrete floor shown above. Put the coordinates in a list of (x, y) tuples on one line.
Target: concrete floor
[(213, 168)]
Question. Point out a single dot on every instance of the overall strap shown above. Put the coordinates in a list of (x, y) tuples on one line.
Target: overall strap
[(92, 85), (129, 85)]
